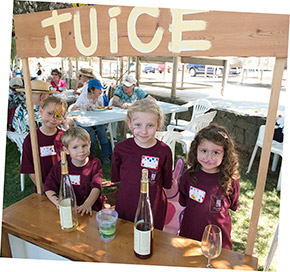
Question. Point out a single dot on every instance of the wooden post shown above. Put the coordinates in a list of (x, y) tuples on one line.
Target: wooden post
[(182, 76), (32, 127), (174, 76), (225, 76), (266, 151), (101, 66), (138, 70), (77, 67), (121, 68)]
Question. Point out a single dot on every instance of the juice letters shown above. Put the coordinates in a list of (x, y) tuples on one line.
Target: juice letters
[(177, 27)]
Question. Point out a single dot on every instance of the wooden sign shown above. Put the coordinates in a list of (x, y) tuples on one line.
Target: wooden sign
[(101, 30)]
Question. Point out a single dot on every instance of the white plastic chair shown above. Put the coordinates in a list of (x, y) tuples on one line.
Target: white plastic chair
[(170, 138), (200, 106), (193, 127), (18, 138), (70, 107), (277, 149)]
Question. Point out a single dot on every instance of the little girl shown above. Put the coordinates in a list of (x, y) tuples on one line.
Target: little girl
[(210, 187), (144, 118), (53, 113)]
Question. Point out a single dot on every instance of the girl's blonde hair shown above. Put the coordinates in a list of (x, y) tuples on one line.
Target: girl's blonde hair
[(74, 133), (230, 164), (55, 100), (146, 105)]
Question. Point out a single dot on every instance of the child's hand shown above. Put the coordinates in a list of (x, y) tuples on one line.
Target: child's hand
[(85, 209)]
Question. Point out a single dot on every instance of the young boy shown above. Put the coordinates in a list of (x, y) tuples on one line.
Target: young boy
[(52, 111), (85, 172)]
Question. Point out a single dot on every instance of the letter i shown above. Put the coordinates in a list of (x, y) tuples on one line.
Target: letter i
[(113, 12)]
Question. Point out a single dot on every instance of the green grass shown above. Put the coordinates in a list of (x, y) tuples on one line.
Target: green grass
[(241, 218)]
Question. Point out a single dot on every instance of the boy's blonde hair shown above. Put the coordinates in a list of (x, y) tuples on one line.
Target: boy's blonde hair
[(74, 133), (146, 105), (55, 100)]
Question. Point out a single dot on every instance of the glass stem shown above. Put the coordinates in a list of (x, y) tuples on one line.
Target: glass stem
[(208, 263)]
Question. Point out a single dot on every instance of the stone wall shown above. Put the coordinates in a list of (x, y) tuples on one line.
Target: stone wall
[(242, 127)]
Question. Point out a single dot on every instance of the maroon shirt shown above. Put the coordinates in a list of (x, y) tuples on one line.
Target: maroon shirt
[(128, 160), (206, 204), (49, 152), (83, 179)]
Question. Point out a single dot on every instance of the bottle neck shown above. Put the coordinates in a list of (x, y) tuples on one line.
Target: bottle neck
[(64, 169), (144, 187)]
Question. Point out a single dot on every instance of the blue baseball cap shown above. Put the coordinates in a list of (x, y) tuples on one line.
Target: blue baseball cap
[(95, 83)]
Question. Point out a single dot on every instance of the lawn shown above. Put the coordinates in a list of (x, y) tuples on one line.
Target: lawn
[(268, 219)]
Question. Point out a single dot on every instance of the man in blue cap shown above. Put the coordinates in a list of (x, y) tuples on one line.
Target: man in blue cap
[(94, 97)]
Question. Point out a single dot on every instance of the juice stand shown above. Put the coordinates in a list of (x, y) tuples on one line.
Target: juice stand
[(101, 30)]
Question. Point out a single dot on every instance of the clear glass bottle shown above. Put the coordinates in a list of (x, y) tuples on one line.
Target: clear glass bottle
[(67, 199), (143, 224)]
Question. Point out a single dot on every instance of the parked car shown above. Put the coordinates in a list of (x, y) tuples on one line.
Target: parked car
[(149, 68), (195, 69)]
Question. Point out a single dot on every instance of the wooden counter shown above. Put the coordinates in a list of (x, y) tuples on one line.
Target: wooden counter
[(36, 220)]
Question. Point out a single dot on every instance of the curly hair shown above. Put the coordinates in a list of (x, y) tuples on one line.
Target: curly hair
[(230, 164)]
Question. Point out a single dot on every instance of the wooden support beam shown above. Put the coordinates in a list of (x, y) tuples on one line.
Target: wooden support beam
[(77, 67), (174, 76), (182, 76), (138, 70), (32, 127), (101, 66), (266, 151), (226, 72), (121, 69)]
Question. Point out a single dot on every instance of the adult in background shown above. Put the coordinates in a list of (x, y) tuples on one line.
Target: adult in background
[(125, 95), (14, 99), (94, 97), (40, 91), (85, 75), (56, 82), (128, 93), (39, 72)]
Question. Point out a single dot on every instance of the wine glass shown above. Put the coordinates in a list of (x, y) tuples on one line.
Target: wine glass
[(211, 243)]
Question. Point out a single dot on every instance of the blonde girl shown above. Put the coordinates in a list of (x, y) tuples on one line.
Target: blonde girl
[(210, 187), (142, 150)]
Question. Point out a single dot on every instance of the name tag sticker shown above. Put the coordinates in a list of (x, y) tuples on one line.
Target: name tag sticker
[(48, 150), (150, 162), (75, 179), (196, 194)]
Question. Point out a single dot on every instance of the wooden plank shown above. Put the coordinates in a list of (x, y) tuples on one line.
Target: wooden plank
[(32, 127), (156, 59), (204, 60), (244, 34), (265, 154), (84, 244)]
